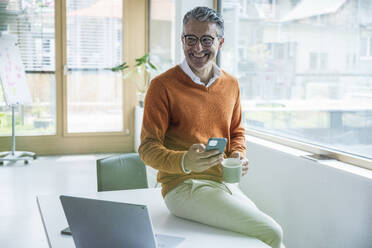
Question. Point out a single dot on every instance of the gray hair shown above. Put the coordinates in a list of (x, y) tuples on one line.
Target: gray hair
[(205, 14)]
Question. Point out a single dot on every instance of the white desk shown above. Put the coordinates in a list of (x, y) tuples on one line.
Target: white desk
[(197, 235)]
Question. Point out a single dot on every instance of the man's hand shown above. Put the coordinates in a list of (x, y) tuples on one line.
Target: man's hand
[(244, 161), (197, 159)]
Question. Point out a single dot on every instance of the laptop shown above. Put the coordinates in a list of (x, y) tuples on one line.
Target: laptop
[(98, 224)]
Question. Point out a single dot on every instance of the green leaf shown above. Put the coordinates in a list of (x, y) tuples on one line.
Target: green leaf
[(153, 66), (121, 67), (146, 57)]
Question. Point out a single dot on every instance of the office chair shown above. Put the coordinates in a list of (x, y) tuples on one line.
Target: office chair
[(120, 172)]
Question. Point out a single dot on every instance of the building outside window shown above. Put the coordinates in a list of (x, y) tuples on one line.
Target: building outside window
[(293, 81)]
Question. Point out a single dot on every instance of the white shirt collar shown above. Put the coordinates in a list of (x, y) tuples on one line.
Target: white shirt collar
[(186, 68)]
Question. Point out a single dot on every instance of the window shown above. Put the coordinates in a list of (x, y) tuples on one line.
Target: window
[(94, 93), (33, 24), (366, 47), (313, 61), (293, 79), (318, 61), (323, 61), (68, 47), (94, 44), (351, 60)]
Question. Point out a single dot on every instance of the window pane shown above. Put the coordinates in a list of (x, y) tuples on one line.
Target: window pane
[(33, 24), (363, 46), (313, 61), (94, 44), (292, 75)]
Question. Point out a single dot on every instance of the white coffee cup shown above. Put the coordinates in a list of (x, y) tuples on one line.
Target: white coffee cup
[(231, 170)]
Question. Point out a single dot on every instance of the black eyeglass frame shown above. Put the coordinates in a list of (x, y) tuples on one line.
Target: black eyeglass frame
[(199, 39)]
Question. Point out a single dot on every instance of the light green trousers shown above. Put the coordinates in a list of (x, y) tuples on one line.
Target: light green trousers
[(223, 206)]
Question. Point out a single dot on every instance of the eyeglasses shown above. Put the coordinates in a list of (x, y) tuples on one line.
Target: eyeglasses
[(205, 40)]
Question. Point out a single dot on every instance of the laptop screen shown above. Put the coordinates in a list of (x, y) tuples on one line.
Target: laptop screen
[(98, 223)]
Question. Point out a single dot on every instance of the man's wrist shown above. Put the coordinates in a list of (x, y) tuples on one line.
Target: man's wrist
[(241, 154), (183, 165)]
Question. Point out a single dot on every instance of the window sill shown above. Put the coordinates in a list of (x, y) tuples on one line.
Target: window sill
[(346, 167), (366, 58)]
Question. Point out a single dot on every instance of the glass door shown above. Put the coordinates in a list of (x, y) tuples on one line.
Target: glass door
[(94, 93)]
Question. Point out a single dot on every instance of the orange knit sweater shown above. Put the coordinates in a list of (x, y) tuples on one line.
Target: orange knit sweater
[(179, 113)]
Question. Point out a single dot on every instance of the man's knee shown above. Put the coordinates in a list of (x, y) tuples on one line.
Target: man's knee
[(274, 235), (269, 232), (277, 232)]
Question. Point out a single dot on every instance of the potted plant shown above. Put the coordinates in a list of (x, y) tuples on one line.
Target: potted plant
[(138, 74)]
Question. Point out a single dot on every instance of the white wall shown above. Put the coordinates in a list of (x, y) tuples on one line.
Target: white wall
[(318, 206)]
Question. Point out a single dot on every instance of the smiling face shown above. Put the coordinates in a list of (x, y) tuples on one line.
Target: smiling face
[(201, 58)]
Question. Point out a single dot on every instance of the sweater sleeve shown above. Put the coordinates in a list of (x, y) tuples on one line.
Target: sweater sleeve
[(237, 132), (154, 126)]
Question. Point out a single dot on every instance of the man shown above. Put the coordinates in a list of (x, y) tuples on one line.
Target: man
[(184, 107)]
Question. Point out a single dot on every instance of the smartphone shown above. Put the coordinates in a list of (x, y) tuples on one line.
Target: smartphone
[(66, 231), (216, 144)]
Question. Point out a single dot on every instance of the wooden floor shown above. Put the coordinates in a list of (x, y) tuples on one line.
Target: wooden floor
[(20, 222)]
